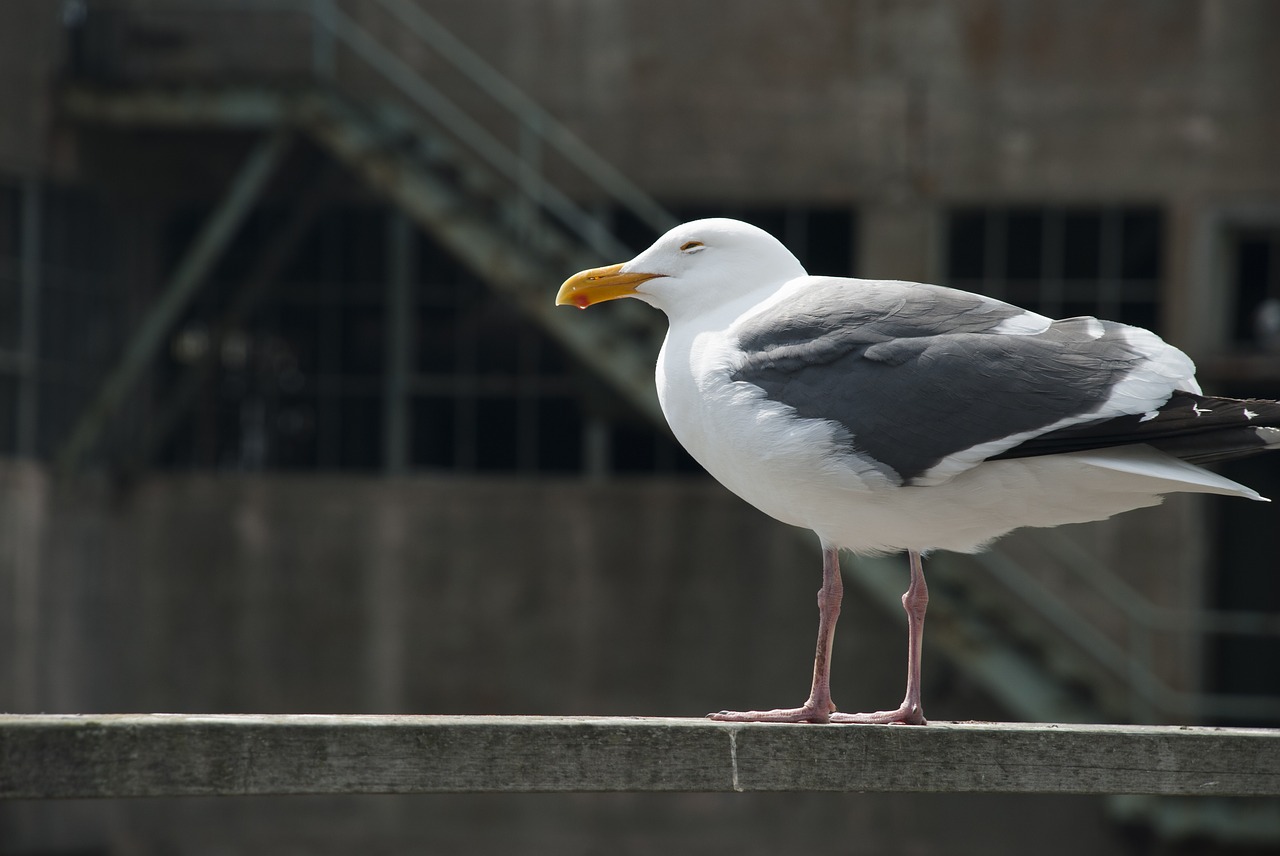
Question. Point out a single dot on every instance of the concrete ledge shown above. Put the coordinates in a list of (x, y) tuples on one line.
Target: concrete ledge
[(151, 755)]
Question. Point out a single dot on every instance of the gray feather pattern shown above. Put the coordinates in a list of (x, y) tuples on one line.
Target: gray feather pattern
[(915, 373)]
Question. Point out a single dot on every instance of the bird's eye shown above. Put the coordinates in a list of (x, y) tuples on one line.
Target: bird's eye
[(689, 246)]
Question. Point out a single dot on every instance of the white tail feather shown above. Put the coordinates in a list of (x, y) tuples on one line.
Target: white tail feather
[(1149, 463)]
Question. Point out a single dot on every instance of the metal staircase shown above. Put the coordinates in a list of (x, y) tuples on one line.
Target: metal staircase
[(481, 193), (488, 198)]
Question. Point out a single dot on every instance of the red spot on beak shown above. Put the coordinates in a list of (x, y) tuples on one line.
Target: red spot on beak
[(581, 301)]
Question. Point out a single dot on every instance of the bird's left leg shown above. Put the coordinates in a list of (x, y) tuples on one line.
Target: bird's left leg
[(819, 706), (915, 602)]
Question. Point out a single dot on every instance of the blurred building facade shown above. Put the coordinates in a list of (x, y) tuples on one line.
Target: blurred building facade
[(280, 381)]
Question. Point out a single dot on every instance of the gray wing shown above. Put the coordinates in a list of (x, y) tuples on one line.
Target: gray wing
[(916, 373)]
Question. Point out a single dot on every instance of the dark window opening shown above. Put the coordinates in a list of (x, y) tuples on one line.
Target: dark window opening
[(1060, 262), (1242, 574), (80, 303), (1255, 277)]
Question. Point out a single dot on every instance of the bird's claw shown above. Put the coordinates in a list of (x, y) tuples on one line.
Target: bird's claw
[(808, 713), (905, 715)]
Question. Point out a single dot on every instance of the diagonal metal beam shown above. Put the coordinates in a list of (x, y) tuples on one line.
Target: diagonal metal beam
[(191, 272), (620, 352), (256, 286), (490, 254)]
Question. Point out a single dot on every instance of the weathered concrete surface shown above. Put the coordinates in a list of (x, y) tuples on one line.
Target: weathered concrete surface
[(315, 594), (158, 755)]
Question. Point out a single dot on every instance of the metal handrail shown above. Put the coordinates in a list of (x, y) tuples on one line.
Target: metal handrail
[(531, 114), (434, 102), (1148, 690), (330, 25), (536, 123), (1138, 607)]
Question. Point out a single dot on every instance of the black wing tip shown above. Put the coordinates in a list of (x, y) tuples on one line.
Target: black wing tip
[(1197, 428)]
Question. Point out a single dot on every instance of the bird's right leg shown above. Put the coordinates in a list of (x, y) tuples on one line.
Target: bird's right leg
[(915, 602), (819, 706)]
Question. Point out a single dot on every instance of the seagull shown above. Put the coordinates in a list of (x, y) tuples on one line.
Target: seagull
[(890, 416)]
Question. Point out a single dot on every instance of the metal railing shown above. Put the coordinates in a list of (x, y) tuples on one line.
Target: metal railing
[(1131, 662), (521, 154)]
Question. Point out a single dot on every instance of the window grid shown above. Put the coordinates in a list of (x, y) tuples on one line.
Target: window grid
[(1060, 261), (1255, 287), (486, 390), (82, 309)]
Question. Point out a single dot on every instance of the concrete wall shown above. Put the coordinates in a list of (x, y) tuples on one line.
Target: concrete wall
[(31, 52), (322, 594), (838, 100), (834, 100), (333, 594)]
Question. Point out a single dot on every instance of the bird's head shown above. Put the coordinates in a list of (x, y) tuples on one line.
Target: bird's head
[(693, 267)]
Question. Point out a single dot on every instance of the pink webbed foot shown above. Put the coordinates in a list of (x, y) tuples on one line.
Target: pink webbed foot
[(905, 715), (809, 713)]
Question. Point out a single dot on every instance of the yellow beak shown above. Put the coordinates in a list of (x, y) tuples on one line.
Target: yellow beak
[(598, 285)]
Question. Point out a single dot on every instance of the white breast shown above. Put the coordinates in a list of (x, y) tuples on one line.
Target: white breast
[(757, 448)]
